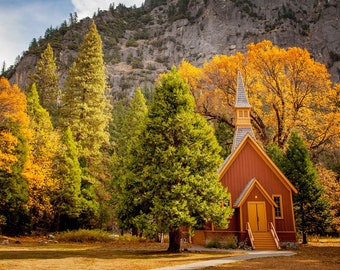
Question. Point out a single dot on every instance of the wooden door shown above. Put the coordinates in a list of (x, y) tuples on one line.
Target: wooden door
[(257, 216)]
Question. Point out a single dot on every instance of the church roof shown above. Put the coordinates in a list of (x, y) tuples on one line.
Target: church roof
[(241, 96), (241, 102), (240, 133)]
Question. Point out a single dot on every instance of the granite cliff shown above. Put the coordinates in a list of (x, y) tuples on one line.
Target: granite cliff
[(140, 43)]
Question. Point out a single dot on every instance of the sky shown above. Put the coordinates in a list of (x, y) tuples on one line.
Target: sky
[(23, 20)]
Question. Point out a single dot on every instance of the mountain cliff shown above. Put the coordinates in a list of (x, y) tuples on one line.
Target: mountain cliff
[(140, 43)]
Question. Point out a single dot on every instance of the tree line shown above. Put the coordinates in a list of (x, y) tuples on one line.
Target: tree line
[(71, 158)]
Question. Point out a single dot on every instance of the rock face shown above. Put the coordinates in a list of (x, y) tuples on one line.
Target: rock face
[(165, 32)]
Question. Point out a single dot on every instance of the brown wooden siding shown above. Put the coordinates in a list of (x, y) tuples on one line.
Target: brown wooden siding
[(234, 221), (248, 165)]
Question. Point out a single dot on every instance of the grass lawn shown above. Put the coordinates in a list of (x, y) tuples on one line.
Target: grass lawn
[(136, 255), (116, 254)]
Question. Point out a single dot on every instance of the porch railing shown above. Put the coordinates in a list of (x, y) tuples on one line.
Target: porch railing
[(274, 234), (250, 234)]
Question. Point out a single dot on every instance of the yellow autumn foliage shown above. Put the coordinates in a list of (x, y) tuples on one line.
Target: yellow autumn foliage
[(287, 89), (13, 116)]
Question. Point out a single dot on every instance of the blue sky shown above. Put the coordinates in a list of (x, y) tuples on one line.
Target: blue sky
[(23, 20)]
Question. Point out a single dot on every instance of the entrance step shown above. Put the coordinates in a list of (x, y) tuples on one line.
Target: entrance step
[(264, 241)]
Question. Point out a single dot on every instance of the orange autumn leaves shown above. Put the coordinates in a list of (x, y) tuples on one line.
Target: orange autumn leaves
[(22, 118), (286, 88), (13, 118)]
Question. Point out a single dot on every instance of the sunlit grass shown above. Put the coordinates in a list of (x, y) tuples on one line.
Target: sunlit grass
[(131, 253), (116, 253)]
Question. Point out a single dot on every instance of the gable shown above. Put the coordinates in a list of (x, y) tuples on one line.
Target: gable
[(251, 161), (253, 184)]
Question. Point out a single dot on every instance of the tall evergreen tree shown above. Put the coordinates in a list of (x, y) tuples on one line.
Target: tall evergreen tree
[(311, 208), (67, 198), (84, 104), (46, 79), (118, 112), (133, 125), (175, 167), (85, 109)]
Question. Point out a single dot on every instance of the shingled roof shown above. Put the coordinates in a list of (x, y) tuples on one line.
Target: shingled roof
[(241, 102), (241, 96), (240, 133)]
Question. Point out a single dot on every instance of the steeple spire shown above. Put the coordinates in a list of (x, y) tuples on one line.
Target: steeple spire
[(242, 110), (241, 96)]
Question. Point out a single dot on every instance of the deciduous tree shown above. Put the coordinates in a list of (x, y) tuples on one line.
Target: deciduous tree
[(14, 216), (287, 89), (43, 144)]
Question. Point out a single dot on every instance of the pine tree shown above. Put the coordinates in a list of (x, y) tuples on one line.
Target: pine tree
[(85, 109), (66, 199), (175, 167), (46, 79), (311, 208), (84, 104), (133, 125)]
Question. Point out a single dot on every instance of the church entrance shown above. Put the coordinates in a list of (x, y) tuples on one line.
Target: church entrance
[(257, 216)]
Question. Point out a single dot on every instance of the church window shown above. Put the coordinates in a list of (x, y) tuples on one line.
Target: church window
[(278, 209)]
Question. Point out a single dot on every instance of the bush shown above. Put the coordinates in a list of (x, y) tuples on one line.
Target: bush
[(131, 43), (229, 244)]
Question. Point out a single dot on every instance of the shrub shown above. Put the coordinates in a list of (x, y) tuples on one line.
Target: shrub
[(229, 244), (131, 43), (214, 244)]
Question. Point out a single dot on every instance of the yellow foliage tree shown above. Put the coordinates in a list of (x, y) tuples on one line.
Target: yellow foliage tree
[(332, 193), (286, 88), (39, 167), (12, 113), (14, 218)]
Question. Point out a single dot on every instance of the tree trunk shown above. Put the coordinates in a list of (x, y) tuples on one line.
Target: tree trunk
[(304, 238), (57, 222), (175, 240), (134, 231)]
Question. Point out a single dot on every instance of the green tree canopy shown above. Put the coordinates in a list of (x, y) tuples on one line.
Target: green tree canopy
[(311, 208), (175, 181), (66, 198), (132, 128)]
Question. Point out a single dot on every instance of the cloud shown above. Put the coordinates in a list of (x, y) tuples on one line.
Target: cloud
[(86, 8), (21, 21)]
